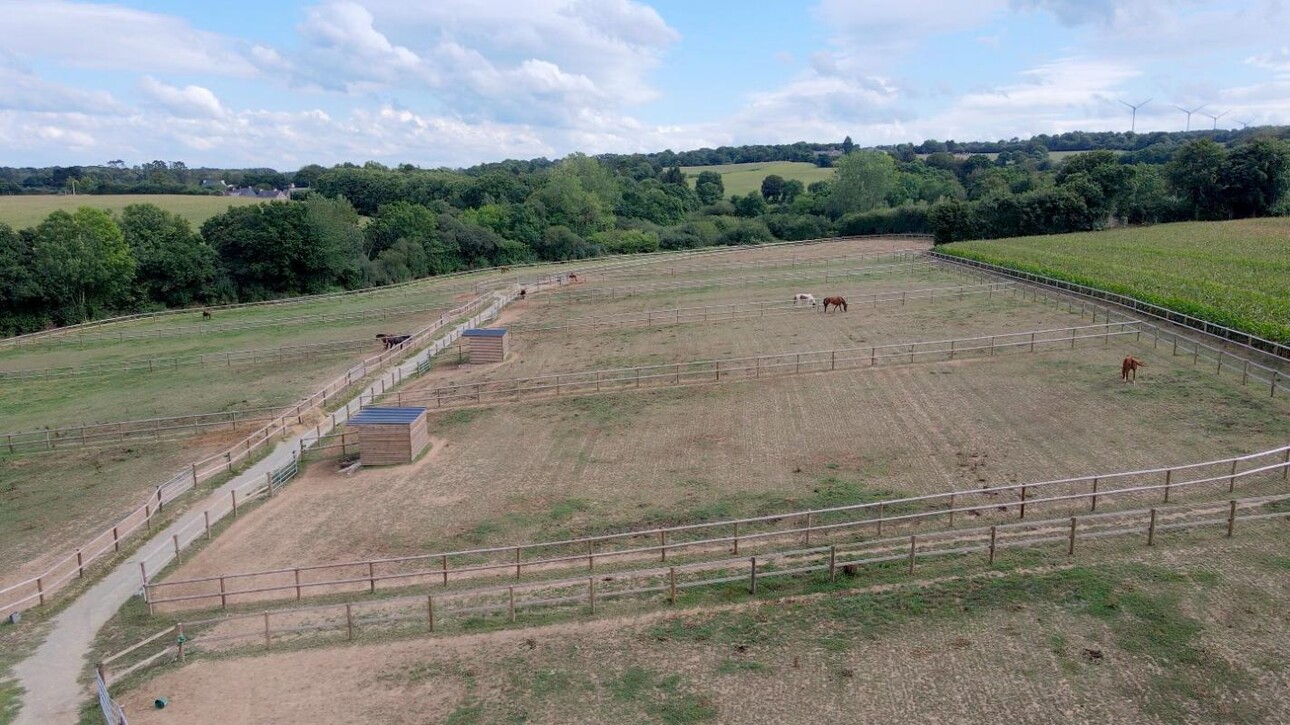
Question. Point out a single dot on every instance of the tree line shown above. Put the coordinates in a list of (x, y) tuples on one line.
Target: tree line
[(371, 225)]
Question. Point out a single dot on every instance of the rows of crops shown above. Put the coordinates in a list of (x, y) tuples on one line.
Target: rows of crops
[(1233, 273)]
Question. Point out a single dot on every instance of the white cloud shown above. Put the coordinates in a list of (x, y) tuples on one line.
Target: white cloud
[(100, 36), (1277, 60), (186, 102), (21, 89)]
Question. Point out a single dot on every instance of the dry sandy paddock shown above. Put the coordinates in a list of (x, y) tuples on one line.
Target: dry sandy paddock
[(1193, 631)]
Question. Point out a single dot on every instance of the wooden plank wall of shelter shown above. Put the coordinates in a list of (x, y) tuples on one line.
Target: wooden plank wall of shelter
[(488, 348), (390, 443)]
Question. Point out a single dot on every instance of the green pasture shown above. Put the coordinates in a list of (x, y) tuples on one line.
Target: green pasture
[(739, 179), (28, 211), (1234, 273)]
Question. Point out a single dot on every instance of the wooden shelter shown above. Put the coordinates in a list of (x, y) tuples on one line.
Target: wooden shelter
[(387, 436), (488, 344)]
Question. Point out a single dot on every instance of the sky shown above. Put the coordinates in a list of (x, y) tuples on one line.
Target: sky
[(284, 83)]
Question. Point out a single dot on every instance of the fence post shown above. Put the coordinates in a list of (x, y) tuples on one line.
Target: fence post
[(175, 538), (736, 537), (80, 566), (833, 561), (234, 492), (268, 475), (430, 612), (951, 510), (1231, 517), (671, 585), (993, 532), (913, 544), (116, 540), (1070, 548), (1151, 529), (349, 622), (206, 515), (1169, 475), (1231, 480), (1285, 469), (297, 573), (1094, 505), (1023, 501), (808, 528), (591, 593), (223, 596), (752, 576), (662, 543), (444, 561), (371, 577), (179, 640)]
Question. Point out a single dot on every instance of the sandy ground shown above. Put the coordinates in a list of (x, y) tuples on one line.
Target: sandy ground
[(1023, 661)]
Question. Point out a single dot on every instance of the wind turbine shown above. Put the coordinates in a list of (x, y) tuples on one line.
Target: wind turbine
[(1245, 124), (1215, 118), (1133, 125), (1197, 108)]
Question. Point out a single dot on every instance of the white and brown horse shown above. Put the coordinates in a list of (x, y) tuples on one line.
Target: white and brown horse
[(804, 297)]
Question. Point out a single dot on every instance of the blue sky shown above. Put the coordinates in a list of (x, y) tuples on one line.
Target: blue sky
[(457, 82)]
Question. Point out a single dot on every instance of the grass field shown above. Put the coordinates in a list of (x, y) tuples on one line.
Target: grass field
[(1190, 631), (1187, 631), (27, 211), (577, 466), (739, 179), (1233, 273)]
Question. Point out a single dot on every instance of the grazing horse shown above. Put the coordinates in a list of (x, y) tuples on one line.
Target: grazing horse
[(804, 297), (573, 278), (1130, 366), (391, 341), (523, 293), (206, 314), (839, 302)]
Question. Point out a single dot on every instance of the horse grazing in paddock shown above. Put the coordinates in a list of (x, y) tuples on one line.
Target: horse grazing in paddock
[(839, 302), (804, 297), (573, 278), (1130, 367), (391, 341), (206, 314)]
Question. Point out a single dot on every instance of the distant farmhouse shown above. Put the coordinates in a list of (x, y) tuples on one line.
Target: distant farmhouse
[(265, 194)]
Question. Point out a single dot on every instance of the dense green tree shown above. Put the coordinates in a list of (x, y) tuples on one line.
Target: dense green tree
[(412, 222), (307, 175), (749, 205), (953, 221), (709, 186), (862, 182), (21, 306), (562, 243), (175, 265), (1195, 173), (82, 263), (336, 244), (772, 188), (1255, 177)]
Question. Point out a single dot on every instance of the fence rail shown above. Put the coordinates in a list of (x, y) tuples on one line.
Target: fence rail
[(89, 434), (735, 369), (36, 591), (672, 270), (751, 310), (229, 358), (1253, 342), (578, 294), (663, 582), (550, 557)]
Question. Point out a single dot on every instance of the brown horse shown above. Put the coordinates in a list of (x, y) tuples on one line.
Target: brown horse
[(573, 278), (206, 314), (1130, 366), (839, 302)]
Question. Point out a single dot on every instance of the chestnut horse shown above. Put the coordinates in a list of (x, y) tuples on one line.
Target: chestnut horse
[(840, 302), (206, 314), (1130, 366)]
